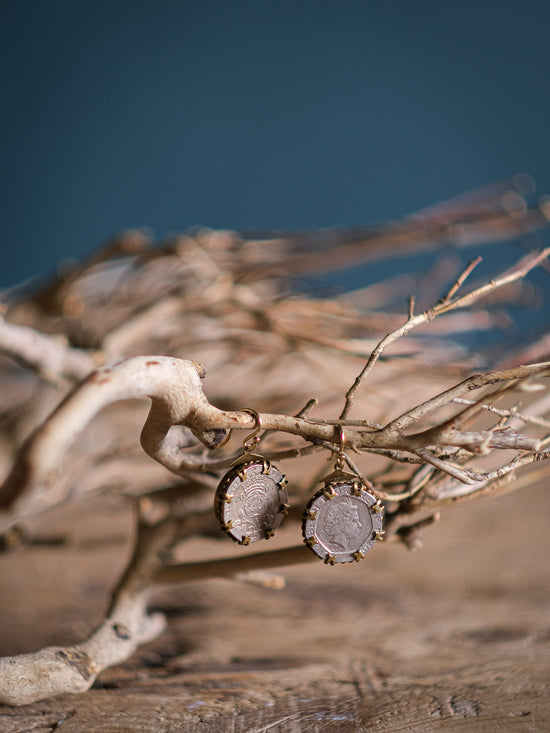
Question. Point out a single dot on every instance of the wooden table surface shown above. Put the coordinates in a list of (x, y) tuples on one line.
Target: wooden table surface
[(456, 635)]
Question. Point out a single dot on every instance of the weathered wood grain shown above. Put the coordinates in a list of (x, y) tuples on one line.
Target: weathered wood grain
[(456, 635)]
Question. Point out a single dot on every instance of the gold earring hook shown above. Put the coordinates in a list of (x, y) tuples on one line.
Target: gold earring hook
[(251, 440), (340, 456), (246, 444), (225, 440)]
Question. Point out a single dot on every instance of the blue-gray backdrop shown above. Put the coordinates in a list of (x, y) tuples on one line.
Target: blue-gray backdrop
[(269, 114)]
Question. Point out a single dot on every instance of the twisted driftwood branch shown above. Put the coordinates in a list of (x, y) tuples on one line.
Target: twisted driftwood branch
[(181, 419), (49, 356), (174, 387)]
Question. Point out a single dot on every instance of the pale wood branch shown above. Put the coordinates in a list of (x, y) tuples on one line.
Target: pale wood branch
[(49, 356)]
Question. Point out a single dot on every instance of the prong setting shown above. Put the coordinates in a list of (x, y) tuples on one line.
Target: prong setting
[(343, 520), (251, 500)]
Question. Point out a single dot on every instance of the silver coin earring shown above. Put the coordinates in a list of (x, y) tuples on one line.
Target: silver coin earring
[(343, 520), (251, 499)]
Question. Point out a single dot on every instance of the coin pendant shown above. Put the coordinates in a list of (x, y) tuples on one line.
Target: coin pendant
[(251, 501), (342, 521)]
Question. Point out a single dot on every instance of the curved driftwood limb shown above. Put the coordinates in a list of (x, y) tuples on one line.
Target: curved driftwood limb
[(230, 567), (174, 388), (29, 677), (25, 678), (49, 356)]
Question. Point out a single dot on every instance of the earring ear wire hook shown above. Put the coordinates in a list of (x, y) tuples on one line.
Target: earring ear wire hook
[(340, 458), (226, 439), (253, 439), (247, 445)]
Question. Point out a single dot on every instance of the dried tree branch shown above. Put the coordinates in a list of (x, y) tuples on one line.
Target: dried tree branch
[(476, 381), (446, 304), (29, 677), (26, 678), (228, 293), (174, 386), (513, 412), (49, 356)]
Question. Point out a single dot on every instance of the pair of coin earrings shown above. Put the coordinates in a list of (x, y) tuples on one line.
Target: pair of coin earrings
[(342, 521)]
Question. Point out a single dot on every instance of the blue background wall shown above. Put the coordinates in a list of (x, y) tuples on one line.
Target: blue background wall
[(270, 114)]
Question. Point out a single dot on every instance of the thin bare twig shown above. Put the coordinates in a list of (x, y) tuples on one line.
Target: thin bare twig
[(444, 305), (512, 412)]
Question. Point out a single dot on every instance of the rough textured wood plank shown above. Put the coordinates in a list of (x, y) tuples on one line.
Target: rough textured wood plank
[(454, 636)]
